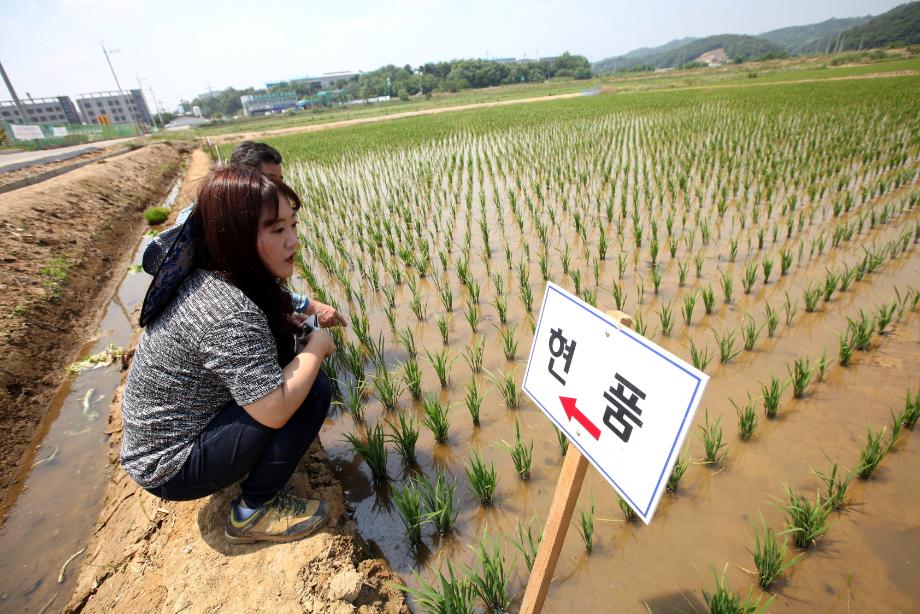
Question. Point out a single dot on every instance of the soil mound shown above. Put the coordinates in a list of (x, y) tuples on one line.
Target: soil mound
[(61, 242)]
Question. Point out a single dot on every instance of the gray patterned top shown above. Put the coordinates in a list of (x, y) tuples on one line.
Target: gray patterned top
[(211, 345)]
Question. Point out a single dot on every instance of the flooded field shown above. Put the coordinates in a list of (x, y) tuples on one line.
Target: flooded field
[(769, 237)]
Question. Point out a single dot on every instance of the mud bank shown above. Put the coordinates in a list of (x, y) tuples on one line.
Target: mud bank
[(61, 244), (149, 555)]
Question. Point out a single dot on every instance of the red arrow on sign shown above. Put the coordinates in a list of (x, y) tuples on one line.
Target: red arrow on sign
[(568, 404)]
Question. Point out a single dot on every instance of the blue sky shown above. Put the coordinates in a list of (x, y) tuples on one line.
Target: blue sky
[(52, 47)]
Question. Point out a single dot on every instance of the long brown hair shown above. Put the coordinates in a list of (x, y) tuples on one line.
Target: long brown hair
[(230, 203)]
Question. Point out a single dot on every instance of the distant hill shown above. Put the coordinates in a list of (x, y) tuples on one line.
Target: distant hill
[(647, 51), (898, 27), (737, 47), (812, 38)]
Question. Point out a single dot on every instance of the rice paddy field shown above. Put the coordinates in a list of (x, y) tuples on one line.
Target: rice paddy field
[(768, 235)]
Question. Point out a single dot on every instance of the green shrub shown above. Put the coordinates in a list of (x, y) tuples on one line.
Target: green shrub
[(156, 215)]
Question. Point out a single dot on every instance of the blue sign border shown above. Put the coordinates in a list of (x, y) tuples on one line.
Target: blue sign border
[(644, 345)]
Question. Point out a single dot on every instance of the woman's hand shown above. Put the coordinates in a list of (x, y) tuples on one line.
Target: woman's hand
[(326, 315), (320, 342)]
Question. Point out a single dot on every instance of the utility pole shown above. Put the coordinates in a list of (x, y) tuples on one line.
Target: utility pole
[(16, 101), (153, 97), (124, 100)]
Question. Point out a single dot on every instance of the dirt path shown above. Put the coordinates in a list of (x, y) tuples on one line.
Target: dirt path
[(152, 555), (232, 138), (61, 244)]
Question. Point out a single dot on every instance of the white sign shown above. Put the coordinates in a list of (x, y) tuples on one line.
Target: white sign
[(59, 131), (27, 133), (625, 402)]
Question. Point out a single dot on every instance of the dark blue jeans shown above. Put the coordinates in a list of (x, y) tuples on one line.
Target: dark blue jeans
[(234, 444)]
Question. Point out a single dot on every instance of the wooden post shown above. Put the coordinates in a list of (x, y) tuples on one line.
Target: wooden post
[(557, 523), (560, 514)]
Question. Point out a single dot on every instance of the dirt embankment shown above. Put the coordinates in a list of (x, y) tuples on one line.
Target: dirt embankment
[(150, 555), (60, 246)]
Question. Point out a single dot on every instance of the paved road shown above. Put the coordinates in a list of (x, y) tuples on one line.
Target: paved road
[(22, 159)]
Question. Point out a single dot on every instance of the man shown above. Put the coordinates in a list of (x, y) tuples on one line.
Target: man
[(267, 160)]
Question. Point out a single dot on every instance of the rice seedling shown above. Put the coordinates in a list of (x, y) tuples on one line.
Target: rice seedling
[(831, 281), (698, 264), (884, 315), (687, 308), (821, 367), (656, 278), (585, 526), (680, 468), (772, 319), (711, 436), (785, 261), (446, 295), (846, 278), (799, 376), (453, 595), (418, 307), (562, 440), (472, 355), (860, 331), (640, 324), (388, 389), (527, 544), (667, 318), (412, 376), (351, 357), (770, 556), (835, 485), (726, 343), (501, 306), (767, 265), (527, 298), (473, 289), (435, 418), (471, 312), (911, 412), (404, 435), (438, 499), (473, 401), (441, 363), (806, 520), (443, 329), (700, 357), (725, 601), (491, 582), (790, 306), (709, 299), (747, 418), (372, 450), (619, 296), (726, 286), (846, 349), (872, 453), (509, 343), (749, 277), (354, 402), (406, 338), (408, 502), (628, 513), (507, 386), (521, 455), (483, 479), (683, 268), (811, 294), (750, 331)]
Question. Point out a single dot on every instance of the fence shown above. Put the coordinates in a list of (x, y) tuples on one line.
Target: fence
[(41, 136)]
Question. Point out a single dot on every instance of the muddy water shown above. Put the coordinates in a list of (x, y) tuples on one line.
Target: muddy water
[(61, 493), (709, 521)]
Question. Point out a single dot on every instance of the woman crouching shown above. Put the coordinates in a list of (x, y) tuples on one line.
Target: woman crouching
[(216, 391)]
